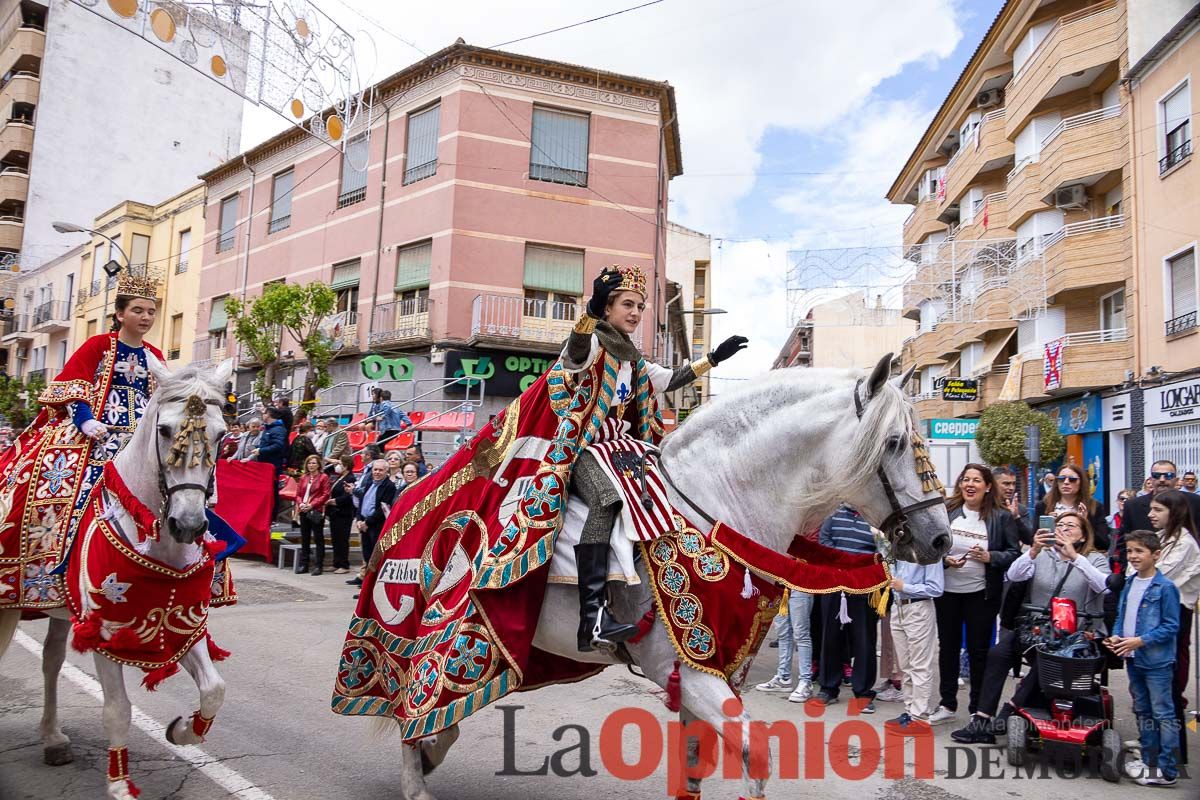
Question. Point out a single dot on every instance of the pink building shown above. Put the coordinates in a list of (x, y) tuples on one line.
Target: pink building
[(495, 188)]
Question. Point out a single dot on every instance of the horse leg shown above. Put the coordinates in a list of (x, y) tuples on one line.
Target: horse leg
[(118, 712), (56, 747), (692, 792), (412, 777), (212, 694), (706, 697), (434, 748), (8, 626)]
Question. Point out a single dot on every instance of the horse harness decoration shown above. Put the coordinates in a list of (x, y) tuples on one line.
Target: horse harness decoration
[(192, 438)]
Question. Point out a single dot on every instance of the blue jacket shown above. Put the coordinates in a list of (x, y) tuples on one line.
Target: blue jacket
[(273, 446), (1157, 622)]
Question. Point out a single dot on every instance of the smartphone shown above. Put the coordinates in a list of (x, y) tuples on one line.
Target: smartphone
[(1046, 522)]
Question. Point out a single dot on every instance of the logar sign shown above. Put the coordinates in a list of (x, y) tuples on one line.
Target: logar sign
[(1177, 402)]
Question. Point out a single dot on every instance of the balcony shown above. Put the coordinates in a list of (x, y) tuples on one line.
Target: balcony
[(400, 324), (1083, 148), (1180, 325), (921, 222), (12, 230), (1025, 192), (1083, 42), (42, 375), (1086, 254), (29, 40), (21, 87), (925, 349), (930, 405), (1177, 156), (16, 136), (17, 328), (342, 330), (506, 319), (986, 151), (1091, 360), (205, 354), (52, 316), (81, 301), (14, 183), (989, 215)]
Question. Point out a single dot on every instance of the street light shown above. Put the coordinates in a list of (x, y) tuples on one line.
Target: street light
[(705, 312), (111, 269)]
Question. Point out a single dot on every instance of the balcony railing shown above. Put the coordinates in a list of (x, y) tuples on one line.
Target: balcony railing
[(1080, 228), (1080, 120), (81, 298), (401, 320), (181, 266), (916, 398), (994, 197), (1176, 156), (1020, 165), (280, 223), (38, 374), (349, 198), (510, 317), (17, 324), (1051, 35), (95, 289), (173, 354), (1096, 337), (1181, 324), (50, 311), (420, 172)]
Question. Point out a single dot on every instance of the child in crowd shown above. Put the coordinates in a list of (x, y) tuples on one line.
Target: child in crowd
[(795, 637), (1147, 624), (915, 637)]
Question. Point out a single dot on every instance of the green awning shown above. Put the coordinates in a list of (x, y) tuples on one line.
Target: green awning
[(345, 276), (553, 270), (412, 266), (217, 321)]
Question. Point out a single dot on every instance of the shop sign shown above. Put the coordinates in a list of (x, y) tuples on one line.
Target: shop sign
[(966, 389), (953, 428), (1115, 412), (1176, 402), (1081, 415), (378, 368), (504, 374)]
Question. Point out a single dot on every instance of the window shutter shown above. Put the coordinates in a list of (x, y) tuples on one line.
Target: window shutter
[(1175, 108), (421, 158), (281, 197), (139, 250), (412, 266), (217, 321), (1183, 285), (559, 150), (553, 270), (354, 164), (345, 276)]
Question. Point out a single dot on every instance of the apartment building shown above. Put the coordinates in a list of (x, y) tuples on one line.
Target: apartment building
[(689, 308), (35, 336), (461, 227), (845, 332), (92, 115)]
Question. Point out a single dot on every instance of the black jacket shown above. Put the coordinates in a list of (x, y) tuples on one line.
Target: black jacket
[(1004, 545), (1102, 533), (385, 495), (341, 497)]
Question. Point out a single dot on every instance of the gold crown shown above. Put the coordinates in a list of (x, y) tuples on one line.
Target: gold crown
[(144, 286), (632, 279)]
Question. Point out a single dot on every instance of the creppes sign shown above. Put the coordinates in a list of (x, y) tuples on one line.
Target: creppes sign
[(952, 428), (966, 389)]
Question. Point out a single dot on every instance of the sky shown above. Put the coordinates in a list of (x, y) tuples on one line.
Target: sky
[(795, 115)]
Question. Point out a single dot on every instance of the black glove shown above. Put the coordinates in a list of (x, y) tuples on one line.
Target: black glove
[(727, 348), (602, 287)]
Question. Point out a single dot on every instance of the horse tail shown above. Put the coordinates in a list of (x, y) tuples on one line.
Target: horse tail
[(8, 626)]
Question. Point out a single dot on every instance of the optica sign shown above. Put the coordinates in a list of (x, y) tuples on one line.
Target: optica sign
[(952, 428)]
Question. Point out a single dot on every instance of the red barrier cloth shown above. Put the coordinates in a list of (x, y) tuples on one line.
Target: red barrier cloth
[(246, 500)]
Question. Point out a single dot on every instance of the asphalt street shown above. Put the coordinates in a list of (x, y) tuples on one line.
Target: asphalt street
[(275, 737)]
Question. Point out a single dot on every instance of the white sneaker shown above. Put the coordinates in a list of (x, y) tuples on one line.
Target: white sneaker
[(890, 695), (776, 685), (1154, 780), (942, 715), (803, 692), (1135, 768)]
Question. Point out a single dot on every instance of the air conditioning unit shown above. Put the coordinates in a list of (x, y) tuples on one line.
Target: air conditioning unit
[(990, 98), (1071, 197)]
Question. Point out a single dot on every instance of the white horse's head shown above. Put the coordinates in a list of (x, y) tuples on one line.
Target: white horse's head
[(776, 456), (176, 444)]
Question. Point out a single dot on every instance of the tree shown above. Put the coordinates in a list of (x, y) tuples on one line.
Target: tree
[(1001, 434), (299, 310), (19, 402)]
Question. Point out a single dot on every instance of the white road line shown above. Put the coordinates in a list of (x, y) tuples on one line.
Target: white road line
[(231, 781)]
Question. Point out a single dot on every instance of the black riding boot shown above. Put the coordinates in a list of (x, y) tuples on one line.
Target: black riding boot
[(596, 625)]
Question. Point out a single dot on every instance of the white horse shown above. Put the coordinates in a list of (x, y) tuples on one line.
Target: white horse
[(185, 523), (771, 460)]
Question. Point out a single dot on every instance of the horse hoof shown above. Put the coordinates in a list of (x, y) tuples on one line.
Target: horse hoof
[(58, 754), (170, 728)]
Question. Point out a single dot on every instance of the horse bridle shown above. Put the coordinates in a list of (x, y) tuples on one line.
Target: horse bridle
[(896, 524), (167, 490)]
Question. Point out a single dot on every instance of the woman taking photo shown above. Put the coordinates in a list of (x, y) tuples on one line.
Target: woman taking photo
[(984, 545), (1060, 563), (340, 510), (312, 493), (1179, 562), (89, 412), (1072, 491)]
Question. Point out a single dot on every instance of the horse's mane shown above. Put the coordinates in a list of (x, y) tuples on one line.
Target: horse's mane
[(762, 417), (193, 379)]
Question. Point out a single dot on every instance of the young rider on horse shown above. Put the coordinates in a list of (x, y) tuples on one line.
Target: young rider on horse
[(88, 414), (614, 312)]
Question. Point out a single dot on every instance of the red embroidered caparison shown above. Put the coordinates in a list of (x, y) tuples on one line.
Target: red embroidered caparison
[(134, 609)]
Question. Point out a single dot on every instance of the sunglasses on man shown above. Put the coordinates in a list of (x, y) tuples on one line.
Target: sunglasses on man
[(1163, 476)]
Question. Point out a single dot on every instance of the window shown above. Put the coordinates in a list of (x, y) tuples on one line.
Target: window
[(281, 202), (1114, 202), (966, 211), (1112, 316), (559, 150), (217, 322), (1033, 231), (1029, 43), (421, 160), (176, 336), (412, 275), (553, 282), (91, 328), (345, 283), (1181, 284), (972, 354), (354, 171), (70, 295), (185, 247), (1175, 113), (1028, 147), (97, 268), (413, 301), (229, 212), (139, 253), (62, 354)]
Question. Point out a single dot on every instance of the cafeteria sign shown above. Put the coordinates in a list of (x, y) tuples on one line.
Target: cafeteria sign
[(960, 389)]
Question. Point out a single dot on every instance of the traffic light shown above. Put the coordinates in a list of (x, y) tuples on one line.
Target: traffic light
[(230, 407)]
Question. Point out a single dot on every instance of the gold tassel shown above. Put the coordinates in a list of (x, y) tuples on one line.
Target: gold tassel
[(879, 599)]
